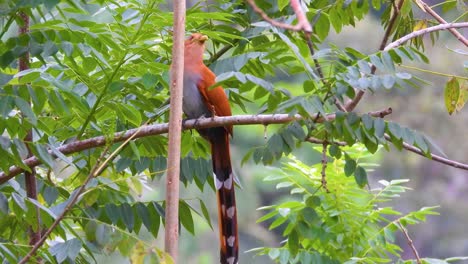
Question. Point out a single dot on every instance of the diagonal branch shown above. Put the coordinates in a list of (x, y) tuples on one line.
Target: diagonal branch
[(302, 24), (410, 243), (396, 12), (425, 31), (429, 10), (94, 172), (434, 157)]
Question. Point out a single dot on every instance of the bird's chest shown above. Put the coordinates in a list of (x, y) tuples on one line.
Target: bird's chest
[(192, 103)]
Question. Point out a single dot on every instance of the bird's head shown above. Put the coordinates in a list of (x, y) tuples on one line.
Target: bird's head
[(194, 48), (196, 39)]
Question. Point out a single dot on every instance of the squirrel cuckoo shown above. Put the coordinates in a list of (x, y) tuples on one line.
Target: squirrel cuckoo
[(202, 100)]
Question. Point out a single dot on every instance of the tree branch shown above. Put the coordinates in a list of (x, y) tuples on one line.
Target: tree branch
[(94, 172), (410, 242), (452, 30), (158, 129), (302, 22), (425, 31), (30, 177), (324, 166), (434, 157), (396, 11), (171, 232)]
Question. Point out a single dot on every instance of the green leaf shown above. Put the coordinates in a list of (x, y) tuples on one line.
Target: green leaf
[(66, 250), (395, 130), (142, 212), (205, 213), (451, 95), (322, 26), (25, 108), (335, 151), (379, 126), (360, 175), (186, 217), (44, 155), (127, 215), (3, 204), (293, 242), (273, 253), (112, 212), (155, 216), (282, 4), (350, 167), (149, 80)]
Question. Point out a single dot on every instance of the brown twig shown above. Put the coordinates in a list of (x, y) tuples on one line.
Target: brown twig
[(302, 24), (324, 166), (158, 129), (396, 11), (410, 243), (94, 172), (425, 31), (321, 141), (434, 157), (30, 177), (221, 52), (452, 30), (171, 232)]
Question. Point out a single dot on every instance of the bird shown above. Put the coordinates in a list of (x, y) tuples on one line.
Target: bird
[(201, 100)]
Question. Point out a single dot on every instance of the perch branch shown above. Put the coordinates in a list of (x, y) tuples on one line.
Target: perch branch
[(425, 31), (157, 129)]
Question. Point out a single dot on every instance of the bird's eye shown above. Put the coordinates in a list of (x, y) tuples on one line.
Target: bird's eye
[(190, 38)]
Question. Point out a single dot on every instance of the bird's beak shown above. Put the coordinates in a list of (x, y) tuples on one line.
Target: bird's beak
[(203, 38)]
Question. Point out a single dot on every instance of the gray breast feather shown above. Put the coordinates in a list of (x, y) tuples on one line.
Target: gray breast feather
[(193, 105)]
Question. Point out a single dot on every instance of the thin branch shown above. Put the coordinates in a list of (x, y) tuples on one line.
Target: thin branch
[(425, 31), (94, 172), (321, 141), (452, 30), (29, 177), (302, 24), (434, 157), (410, 242), (434, 72), (324, 166), (221, 52), (158, 129), (171, 232), (396, 11)]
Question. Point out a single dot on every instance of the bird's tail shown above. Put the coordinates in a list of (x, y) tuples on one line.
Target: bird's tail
[(227, 211)]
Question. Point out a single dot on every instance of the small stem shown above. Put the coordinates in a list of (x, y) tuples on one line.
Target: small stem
[(324, 166), (434, 72), (396, 11), (454, 32), (418, 33), (410, 243)]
